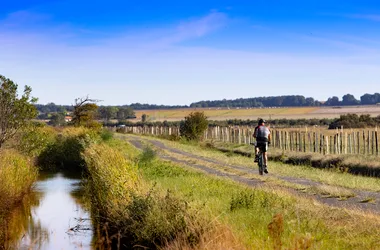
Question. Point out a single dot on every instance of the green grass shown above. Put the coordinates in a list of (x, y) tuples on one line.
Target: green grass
[(168, 198), (249, 212), (325, 176)]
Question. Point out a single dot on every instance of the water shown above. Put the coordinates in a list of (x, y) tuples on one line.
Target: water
[(51, 217)]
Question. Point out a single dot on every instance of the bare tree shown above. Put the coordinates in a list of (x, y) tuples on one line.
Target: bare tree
[(85, 110)]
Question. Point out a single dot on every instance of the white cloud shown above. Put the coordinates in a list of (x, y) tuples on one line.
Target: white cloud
[(371, 17)]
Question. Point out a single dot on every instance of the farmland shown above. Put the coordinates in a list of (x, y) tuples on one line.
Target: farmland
[(218, 114)]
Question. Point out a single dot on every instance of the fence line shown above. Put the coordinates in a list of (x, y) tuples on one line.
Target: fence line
[(338, 142)]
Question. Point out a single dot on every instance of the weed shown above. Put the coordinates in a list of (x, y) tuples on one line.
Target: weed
[(147, 156), (244, 199), (106, 134), (276, 229)]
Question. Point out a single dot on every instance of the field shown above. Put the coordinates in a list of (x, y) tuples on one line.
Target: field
[(254, 113)]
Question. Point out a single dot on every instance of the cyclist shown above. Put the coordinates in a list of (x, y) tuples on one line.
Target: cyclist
[(262, 135)]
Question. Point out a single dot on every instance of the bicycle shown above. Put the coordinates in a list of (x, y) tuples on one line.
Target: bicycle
[(260, 157), (260, 162)]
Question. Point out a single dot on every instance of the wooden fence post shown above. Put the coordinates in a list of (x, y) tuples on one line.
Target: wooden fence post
[(377, 148), (373, 142), (368, 139), (345, 143)]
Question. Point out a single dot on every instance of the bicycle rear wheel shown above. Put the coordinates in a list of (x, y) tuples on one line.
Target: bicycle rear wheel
[(261, 163)]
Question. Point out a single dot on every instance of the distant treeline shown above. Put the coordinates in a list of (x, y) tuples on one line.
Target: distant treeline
[(289, 101), (139, 106), (271, 101), (53, 108)]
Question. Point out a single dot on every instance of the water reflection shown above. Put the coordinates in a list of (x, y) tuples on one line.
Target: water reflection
[(52, 217)]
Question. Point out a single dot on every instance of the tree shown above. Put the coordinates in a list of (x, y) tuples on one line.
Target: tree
[(15, 113), (333, 101), (144, 118), (85, 110), (108, 112), (57, 119), (194, 126), (125, 113), (349, 99)]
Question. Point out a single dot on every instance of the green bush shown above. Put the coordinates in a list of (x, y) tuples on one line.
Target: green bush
[(65, 151), (35, 139), (194, 126), (106, 135)]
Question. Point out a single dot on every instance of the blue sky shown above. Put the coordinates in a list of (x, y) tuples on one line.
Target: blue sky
[(178, 52)]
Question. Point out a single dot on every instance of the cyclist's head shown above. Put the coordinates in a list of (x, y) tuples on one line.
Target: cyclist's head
[(261, 122)]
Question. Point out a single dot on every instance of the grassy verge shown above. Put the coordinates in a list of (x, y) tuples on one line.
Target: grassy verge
[(326, 176), (17, 174), (267, 218), (130, 212)]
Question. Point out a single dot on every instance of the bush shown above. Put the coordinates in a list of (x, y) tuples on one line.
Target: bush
[(194, 126), (66, 150), (35, 139), (106, 135)]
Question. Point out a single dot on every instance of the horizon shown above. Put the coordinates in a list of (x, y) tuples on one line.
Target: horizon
[(172, 53), (188, 105)]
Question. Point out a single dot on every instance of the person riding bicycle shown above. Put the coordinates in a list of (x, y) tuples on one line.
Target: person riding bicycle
[(262, 135)]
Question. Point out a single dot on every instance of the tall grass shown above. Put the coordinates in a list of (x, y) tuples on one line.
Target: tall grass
[(17, 174), (135, 213)]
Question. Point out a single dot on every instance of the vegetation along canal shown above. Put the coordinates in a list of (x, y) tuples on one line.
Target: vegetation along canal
[(52, 216)]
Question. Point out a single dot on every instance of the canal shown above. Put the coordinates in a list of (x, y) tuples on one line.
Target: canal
[(52, 216)]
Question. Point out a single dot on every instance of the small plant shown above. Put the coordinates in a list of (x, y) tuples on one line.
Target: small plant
[(242, 200), (147, 156), (106, 135)]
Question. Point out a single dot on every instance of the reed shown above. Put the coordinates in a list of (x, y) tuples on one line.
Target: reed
[(17, 175)]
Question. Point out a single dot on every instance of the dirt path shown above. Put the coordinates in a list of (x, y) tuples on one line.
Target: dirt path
[(349, 203)]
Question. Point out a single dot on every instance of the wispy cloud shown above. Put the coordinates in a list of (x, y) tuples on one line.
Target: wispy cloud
[(371, 17), (194, 28), (202, 26), (22, 18)]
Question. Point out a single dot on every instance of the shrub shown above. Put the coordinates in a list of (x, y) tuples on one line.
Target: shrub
[(106, 135), (66, 150), (194, 126), (35, 139)]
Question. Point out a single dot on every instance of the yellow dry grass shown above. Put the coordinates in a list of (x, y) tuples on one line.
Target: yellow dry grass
[(225, 113), (254, 113)]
